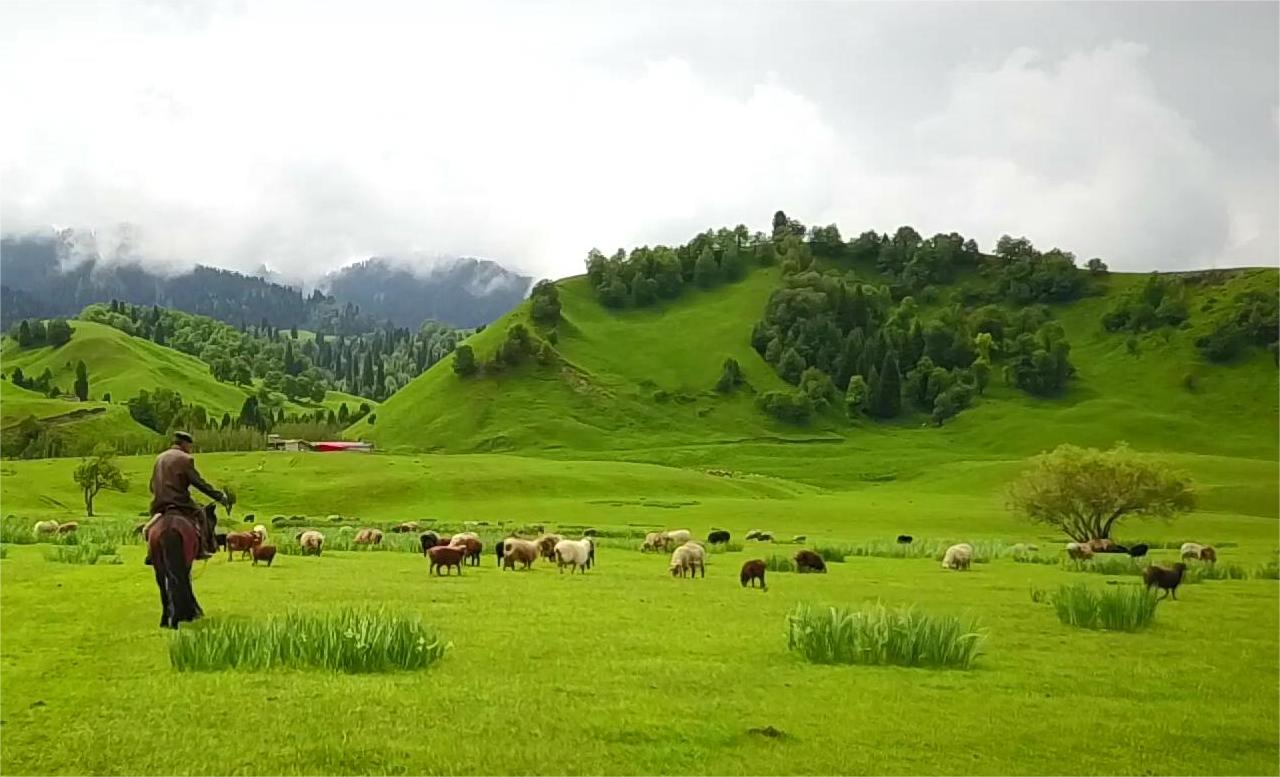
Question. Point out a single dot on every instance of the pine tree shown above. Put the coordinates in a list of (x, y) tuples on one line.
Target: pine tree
[(889, 395), (82, 381)]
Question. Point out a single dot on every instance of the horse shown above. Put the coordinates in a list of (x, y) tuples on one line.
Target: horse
[(173, 541)]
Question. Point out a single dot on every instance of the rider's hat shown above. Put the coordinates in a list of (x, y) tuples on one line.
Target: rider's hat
[(182, 437)]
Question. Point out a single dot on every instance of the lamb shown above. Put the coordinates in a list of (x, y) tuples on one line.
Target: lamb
[(518, 551), (752, 571), (445, 557), (808, 561), (689, 557), (368, 537), (574, 553), (265, 553), (905, 539), (1167, 579), (68, 527), (718, 537), (1138, 551), (243, 541), (958, 557), (429, 539), (1080, 551), (652, 541), (677, 537), (261, 531), (312, 542)]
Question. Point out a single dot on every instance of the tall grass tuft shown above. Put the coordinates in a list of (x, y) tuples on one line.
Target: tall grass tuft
[(87, 553), (1268, 571), (1119, 608), (349, 640), (724, 547), (881, 636), (777, 563), (830, 553), (4, 551), (1105, 564), (1216, 572)]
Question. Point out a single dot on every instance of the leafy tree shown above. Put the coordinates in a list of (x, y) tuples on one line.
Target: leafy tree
[(791, 366), (545, 303), (856, 396), (790, 406), (344, 415), (58, 332), (96, 473), (981, 369), (817, 385), (1096, 266), (887, 399), (23, 335), (732, 266), (730, 376), (644, 291), (1086, 492), (19, 379), (706, 272), (944, 407), (82, 381), (249, 415)]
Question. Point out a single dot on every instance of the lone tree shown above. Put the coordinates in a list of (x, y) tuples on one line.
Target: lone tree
[(730, 376), (82, 381), (98, 473), (1085, 491), (464, 360)]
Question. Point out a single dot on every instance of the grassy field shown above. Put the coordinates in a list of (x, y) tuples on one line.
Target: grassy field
[(625, 670)]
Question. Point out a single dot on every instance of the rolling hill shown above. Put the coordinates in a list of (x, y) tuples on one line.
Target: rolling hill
[(638, 384)]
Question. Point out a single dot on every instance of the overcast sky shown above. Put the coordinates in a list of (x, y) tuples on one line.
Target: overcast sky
[(303, 136)]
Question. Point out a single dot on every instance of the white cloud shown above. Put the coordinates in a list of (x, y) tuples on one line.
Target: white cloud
[(306, 136)]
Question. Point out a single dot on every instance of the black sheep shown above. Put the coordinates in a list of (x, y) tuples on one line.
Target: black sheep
[(718, 537), (1167, 579), (905, 539), (429, 540), (808, 561), (1138, 551), (501, 544)]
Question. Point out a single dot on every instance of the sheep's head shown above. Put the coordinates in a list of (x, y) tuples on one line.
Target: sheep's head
[(675, 570)]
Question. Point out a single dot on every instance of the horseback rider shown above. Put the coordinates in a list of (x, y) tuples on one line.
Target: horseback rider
[(174, 472)]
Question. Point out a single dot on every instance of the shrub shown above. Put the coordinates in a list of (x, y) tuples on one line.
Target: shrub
[(1120, 608), (350, 640), (790, 406), (730, 376), (1105, 564), (726, 547), (464, 361), (877, 635)]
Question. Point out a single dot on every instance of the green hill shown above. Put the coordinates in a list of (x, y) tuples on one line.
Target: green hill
[(638, 384)]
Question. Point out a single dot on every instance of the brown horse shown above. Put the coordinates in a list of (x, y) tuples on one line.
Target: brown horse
[(173, 541)]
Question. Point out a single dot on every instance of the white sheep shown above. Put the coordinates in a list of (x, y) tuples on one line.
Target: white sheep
[(312, 542), (44, 527), (575, 553), (677, 537), (652, 541), (1080, 551), (958, 556), (1191, 550), (261, 531), (689, 557), (458, 538)]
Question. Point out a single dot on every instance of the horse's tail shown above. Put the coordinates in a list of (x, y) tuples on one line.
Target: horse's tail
[(177, 575)]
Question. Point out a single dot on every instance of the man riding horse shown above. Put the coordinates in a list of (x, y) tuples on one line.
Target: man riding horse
[(174, 473)]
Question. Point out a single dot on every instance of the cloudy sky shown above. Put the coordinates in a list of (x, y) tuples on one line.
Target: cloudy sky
[(302, 136)]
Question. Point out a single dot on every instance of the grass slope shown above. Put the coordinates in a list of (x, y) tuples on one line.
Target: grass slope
[(637, 384), (90, 420)]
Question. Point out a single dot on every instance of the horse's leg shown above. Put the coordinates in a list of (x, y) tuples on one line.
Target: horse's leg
[(163, 585)]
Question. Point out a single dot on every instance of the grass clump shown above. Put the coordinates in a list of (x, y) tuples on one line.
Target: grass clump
[(877, 635), (776, 563), (1110, 564), (1121, 608), (87, 553), (1268, 571), (354, 641), (724, 547), (1217, 572), (830, 553)]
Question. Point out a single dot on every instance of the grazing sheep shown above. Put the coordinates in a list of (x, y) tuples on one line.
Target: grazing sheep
[(799, 539), (461, 536), (718, 537), (243, 541), (905, 539), (1100, 545), (368, 537), (1080, 551), (677, 537), (1208, 554), (445, 557), (1191, 550), (311, 542), (689, 557), (261, 531), (547, 546), (265, 553), (68, 527), (652, 541), (44, 527), (958, 557), (472, 548), (221, 539), (407, 527), (429, 539), (1167, 579), (518, 551), (1138, 551), (752, 571), (444, 541), (808, 561), (574, 553), (754, 534), (765, 536)]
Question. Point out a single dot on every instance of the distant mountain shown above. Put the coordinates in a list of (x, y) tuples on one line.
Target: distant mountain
[(45, 276), (460, 292)]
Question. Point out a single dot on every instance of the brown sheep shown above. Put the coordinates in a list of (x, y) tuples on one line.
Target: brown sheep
[(752, 571), (547, 546), (1080, 551), (1100, 545), (1208, 554), (406, 527), (265, 553), (444, 557), (472, 548), (243, 541), (808, 561), (68, 527), (368, 537), (1167, 579), (515, 550)]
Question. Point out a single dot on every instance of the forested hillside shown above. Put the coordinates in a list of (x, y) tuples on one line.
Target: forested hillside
[(460, 292)]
